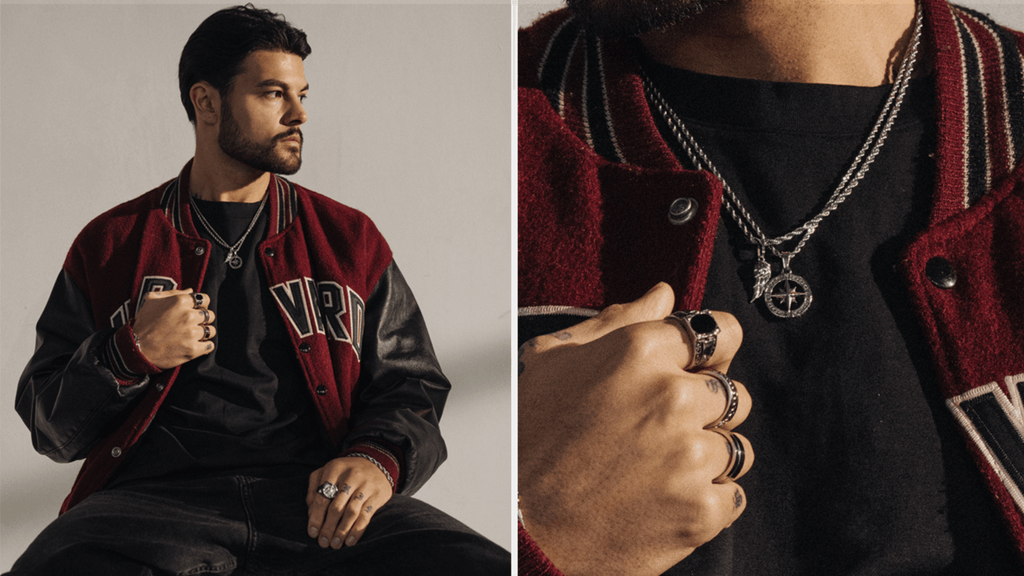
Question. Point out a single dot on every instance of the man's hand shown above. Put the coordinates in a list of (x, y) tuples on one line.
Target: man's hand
[(362, 490), (617, 458), (170, 328)]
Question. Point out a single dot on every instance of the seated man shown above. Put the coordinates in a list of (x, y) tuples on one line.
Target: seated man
[(239, 360)]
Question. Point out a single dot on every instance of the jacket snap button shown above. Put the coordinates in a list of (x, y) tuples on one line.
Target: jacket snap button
[(115, 452), (200, 250), (940, 272), (160, 387), (304, 347), (682, 210), (321, 390), (270, 252)]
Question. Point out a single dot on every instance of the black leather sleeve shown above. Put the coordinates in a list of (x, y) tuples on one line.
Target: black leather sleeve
[(67, 397), (401, 390)]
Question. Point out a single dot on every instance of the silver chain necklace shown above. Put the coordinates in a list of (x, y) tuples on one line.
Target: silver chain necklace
[(787, 295), (233, 259)]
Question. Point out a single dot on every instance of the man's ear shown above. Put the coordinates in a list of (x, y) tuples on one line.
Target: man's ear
[(206, 101)]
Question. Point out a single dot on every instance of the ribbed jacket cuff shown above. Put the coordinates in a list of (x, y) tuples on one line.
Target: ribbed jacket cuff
[(382, 456), (124, 358)]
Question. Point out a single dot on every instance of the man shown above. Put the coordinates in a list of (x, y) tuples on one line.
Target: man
[(239, 359), (837, 185)]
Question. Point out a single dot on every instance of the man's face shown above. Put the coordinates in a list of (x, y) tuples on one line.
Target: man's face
[(634, 17), (262, 112)]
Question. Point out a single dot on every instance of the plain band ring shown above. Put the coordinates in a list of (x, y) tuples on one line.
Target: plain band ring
[(206, 316), (703, 330), (197, 300), (732, 398), (327, 490), (737, 457)]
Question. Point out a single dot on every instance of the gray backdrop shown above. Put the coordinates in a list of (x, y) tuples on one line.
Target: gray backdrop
[(410, 116)]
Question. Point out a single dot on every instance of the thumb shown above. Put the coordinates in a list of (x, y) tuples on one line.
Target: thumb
[(656, 304)]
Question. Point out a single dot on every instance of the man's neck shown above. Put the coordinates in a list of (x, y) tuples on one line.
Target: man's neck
[(222, 179), (846, 42)]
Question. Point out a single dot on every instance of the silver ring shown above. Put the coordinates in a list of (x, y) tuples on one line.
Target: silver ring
[(732, 399), (703, 330), (737, 457), (206, 316), (206, 333), (327, 490), (197, 300)]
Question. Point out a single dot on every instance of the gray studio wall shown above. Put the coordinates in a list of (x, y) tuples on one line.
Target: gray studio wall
[(410, 116)]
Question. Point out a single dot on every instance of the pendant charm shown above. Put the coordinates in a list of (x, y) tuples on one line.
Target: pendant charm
[(234, 260), (762, 273), (787, 295)]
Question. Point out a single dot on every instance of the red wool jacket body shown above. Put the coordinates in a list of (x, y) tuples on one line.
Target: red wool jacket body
[(358, 336), (596, 181)]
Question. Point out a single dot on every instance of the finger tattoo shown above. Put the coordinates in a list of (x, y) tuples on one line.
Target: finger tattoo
[(737, 498), (345, 488), (714, 385), (209, 346), (360, 497), (563, 335), (369, 509)]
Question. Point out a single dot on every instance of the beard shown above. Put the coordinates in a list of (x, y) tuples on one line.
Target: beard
[(260, 156), (625, 18)]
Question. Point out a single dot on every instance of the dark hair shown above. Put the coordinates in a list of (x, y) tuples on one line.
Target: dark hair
[(215, 51)]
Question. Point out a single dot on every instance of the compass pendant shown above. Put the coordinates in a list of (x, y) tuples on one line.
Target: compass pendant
[(787, 295), (234, 260)]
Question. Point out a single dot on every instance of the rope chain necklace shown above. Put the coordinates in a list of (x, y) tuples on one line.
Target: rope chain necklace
[(787, 295), (233, 259)]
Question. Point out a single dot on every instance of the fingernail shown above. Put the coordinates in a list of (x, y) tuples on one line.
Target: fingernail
[(323, 541), (351, 541), (313, 531), (336, 542)]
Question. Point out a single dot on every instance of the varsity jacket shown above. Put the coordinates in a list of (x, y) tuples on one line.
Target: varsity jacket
[(355, 328), (596, 181)]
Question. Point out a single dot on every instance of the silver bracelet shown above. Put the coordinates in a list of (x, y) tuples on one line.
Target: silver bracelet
[(378, 465)]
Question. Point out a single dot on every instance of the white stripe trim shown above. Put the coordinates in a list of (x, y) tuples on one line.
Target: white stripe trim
[(1007, 124), (607, 105), (965, 161), (584, 109), (552, 310), (984, 102), (1014, 410), (565, 71)]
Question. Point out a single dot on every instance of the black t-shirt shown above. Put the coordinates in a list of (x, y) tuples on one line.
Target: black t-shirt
[(859, 467), (244, 406)]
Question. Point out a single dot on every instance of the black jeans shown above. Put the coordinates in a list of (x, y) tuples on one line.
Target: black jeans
[(241, 525)]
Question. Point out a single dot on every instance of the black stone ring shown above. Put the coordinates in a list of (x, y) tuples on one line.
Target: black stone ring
[(703, 330), (197, 300), (206, 333), (327, 490)]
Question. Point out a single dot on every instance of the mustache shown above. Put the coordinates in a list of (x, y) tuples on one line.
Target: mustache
[(289, 133)]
